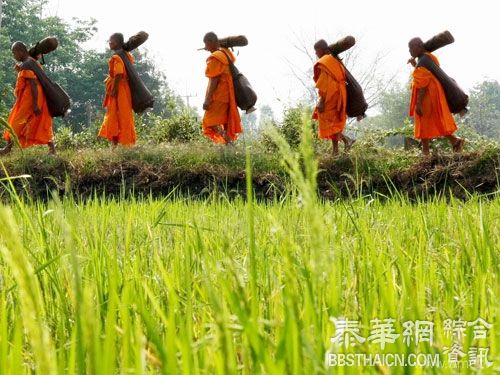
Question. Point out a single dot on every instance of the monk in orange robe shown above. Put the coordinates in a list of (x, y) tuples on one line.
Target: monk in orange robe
[(118, 125), (221, 121), (30, 118), (329, 76), (428, 103)]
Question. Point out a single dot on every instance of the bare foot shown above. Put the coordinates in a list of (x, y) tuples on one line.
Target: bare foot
[(348, 145), (458, 146), (52, 149), (6, 150)]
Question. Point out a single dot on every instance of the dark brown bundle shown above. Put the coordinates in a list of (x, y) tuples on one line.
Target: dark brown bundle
[(58, 100), (233, 41), (142, 98), (135, 41), (438, 41), (356, 103), (44, 46), (342, 45), (243, 91), (456, 98)]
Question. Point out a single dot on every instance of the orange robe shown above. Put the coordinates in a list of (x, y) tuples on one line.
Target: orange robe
[(223, 110), (30, 129), (437, 120), (329, 76), (118, 122)]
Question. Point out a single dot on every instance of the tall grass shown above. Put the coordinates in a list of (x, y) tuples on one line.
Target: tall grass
[(108, 286)]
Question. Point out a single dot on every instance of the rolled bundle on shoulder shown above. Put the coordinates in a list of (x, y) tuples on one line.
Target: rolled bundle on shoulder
[(135, 41), (44, 46), (438, 41), (342, 45), (234, 41)]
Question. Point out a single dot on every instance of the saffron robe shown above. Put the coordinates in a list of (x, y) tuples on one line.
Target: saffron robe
[(437, 120), (118, 122), (223, 109), (329, 76)]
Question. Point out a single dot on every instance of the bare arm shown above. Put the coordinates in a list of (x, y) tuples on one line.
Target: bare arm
[(420, 99), (212, 86), (116, 82), (34, 96), (321, 104), (412, 61)]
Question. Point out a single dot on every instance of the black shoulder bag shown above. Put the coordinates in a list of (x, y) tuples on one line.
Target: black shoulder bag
[(245, 95)]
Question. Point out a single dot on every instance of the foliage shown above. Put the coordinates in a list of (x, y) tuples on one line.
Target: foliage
[(181, 126), (79, 71), (484, 114), (289, 127), (392, 110), (218, 286)]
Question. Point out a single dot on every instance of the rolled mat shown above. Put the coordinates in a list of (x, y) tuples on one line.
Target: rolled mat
[(44, 46), (438, 41), (342, 45), (233, 41), (135, 41)]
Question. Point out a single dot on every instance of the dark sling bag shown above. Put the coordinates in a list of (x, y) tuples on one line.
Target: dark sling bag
[(356, 103), (142, 98), (245, 95), (457, 99), (58, 100)]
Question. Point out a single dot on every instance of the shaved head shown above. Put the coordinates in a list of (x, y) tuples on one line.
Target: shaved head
[(118, 37), (321, 44), (116, 41), (416, 47), (321, 48), (19, 51), (416, 42), (210, 37), (211, 42), (19, 46)]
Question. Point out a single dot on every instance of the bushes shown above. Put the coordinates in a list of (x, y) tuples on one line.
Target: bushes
[(180, 127), (289, 127), (66, 138)]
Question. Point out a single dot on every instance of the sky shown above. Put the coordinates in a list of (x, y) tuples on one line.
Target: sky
[(278, 32)]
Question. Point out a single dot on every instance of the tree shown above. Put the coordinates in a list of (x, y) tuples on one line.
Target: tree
[(79, 71), (266, 116), (393, 106), (484, 114), (249, 122)]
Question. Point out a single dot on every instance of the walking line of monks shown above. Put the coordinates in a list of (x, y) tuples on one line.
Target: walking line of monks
[(31, 120)]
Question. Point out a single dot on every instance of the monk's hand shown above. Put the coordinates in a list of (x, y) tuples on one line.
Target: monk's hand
[(206, 104), (412, 61), (37, 111), (419, 110), (17, 68), (321, 106)]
